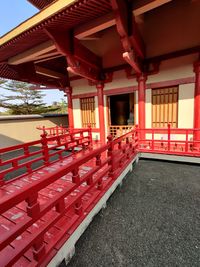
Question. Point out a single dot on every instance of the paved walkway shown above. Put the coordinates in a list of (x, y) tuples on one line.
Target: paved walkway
[(152, 220)]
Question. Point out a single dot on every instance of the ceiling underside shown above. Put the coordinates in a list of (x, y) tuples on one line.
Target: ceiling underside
[(40, 4), (168, 28)]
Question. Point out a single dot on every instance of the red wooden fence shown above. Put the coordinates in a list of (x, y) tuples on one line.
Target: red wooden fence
[(42, 208), (26, 158), (170, 141)]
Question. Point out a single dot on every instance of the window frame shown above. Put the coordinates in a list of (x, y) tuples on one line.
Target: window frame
[(177, 104), (89, 115)]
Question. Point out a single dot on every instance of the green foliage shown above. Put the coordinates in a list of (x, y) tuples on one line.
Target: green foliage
[(22, 99), (62, 106)]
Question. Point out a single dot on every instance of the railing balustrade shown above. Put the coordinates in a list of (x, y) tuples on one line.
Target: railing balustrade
[(58, 195), (45, 198), (119, 130)]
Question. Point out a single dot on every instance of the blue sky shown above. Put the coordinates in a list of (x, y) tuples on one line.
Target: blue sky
[(12, 13)]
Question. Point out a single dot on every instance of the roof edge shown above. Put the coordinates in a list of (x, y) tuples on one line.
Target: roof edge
[(40, 4), (36, 19)]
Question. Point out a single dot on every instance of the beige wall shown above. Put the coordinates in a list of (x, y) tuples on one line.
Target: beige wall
[(173, 69), (77, 116), (77, 113), (16, 131), (186, 106), (148, 108)]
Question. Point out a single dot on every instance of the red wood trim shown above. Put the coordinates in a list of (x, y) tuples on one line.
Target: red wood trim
[(174, 54), (131, 89), (120, 91), (101, 112), (84, 95), (170, 83)]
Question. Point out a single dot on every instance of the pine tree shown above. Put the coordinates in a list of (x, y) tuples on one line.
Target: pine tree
[(23, 99)]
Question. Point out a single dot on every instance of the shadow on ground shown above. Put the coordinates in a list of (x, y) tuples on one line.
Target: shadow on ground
[(152, 220)]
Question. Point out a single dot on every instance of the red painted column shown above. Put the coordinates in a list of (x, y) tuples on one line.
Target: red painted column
[(197, 101), (68, 92), (101, 111), (141, 103)]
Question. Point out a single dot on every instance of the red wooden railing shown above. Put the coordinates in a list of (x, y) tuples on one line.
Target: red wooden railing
[(26, 158), (169, 141), (40, 209), (53, 131)]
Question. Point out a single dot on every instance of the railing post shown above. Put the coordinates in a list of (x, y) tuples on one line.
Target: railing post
[(39, 248), (186, 142), (137, 135), (79, 207), (76, 176), (33, 209), (152, 143), (98, 160), (98, 163), (72, 139), (1, 176), (128, 145), (110, 154), (60, 206), (45, 148), (168, 135), (90, 134)]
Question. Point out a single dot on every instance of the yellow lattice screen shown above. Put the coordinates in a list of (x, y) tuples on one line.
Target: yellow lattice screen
[(88, 112), (165, 107)]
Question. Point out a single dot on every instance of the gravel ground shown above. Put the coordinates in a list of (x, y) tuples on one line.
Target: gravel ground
[(152, 220)]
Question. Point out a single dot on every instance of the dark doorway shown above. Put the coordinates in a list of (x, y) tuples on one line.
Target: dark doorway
[(121, 107)]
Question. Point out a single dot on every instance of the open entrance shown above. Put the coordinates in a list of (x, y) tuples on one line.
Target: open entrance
[(121, 113)]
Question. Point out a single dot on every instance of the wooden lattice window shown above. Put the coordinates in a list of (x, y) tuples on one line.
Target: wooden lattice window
[(165, 107), (88, 112)]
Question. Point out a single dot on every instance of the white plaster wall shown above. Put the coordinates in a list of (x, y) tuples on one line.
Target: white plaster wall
[(136, 107), (106, 116), (186, 106), (169, 70), (82, 87), (96, 112), (174, 69), (148, 106), (120, 80), (77, 113)]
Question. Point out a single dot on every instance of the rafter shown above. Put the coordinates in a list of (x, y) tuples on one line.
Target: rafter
[(81, 61), (31, 54), (27, 73), (139, 7), (134, 49), (142, 6), (49, 73)]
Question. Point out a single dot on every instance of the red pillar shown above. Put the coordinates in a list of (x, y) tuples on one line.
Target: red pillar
[(141, 103), (101, 111), (197, 101), (68, 92)]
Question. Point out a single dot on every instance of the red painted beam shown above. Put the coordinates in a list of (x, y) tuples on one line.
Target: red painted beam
[(68, 91), (100, 96), (197, 101), (174, 54), (27, 73), (141, 103), (132, 42), (81, 61)]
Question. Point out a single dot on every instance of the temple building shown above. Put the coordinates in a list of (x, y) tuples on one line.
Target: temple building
[(120, 63), (130, 70)]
